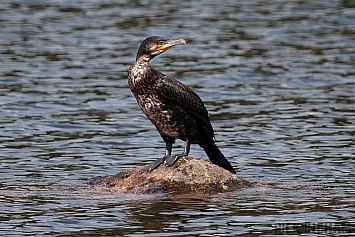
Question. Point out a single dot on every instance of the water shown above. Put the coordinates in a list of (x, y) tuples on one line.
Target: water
[(278, 79)]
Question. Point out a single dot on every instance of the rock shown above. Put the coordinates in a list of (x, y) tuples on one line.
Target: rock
[(187, 175)]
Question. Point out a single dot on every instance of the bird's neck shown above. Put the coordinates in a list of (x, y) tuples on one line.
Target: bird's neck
[(142, 65), (140, 73), (143, 58)]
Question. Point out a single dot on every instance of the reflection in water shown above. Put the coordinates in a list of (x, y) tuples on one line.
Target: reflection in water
[(277, 78)]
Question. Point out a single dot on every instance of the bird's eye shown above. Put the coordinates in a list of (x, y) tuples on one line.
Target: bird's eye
[(160, 42)]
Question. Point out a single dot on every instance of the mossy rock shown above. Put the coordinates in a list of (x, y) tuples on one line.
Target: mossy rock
[(187, 175)]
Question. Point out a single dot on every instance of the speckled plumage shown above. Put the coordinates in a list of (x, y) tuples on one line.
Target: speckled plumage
[(175, 110)]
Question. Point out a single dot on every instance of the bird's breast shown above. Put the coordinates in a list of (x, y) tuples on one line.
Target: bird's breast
[(163, 117), (151, 104), (136, 74)]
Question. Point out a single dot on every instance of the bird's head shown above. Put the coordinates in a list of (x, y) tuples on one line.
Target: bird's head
[(155, 45)]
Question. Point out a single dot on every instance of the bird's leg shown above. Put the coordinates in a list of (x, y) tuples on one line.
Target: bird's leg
[(186, 149), (172, 159), (158, 162)]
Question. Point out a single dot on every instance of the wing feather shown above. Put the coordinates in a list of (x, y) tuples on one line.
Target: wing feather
[(182, 96)]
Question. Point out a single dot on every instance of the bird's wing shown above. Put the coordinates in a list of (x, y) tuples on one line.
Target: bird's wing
[(182, 96)]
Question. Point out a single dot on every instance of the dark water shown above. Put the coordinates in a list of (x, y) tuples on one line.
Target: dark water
[(278, 78)]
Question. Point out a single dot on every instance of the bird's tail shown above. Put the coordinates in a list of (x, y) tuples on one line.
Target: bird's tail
[(216, 157)]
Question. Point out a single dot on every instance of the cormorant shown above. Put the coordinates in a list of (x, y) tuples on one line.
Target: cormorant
[(175, 110)]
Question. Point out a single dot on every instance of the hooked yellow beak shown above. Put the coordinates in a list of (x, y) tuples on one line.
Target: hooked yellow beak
[(165, 45)]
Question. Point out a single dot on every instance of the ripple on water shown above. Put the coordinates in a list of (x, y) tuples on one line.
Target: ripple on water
[(277, 79)]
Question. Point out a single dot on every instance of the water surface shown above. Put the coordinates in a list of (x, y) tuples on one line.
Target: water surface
[(278, 79)]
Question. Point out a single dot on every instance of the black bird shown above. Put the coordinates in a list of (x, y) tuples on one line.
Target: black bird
[(175, 110)]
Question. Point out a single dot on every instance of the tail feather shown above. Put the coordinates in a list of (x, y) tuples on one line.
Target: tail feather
[(216, 157)]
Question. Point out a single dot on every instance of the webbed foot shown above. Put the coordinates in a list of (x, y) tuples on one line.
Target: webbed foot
[(172, 159), (153, 165)]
